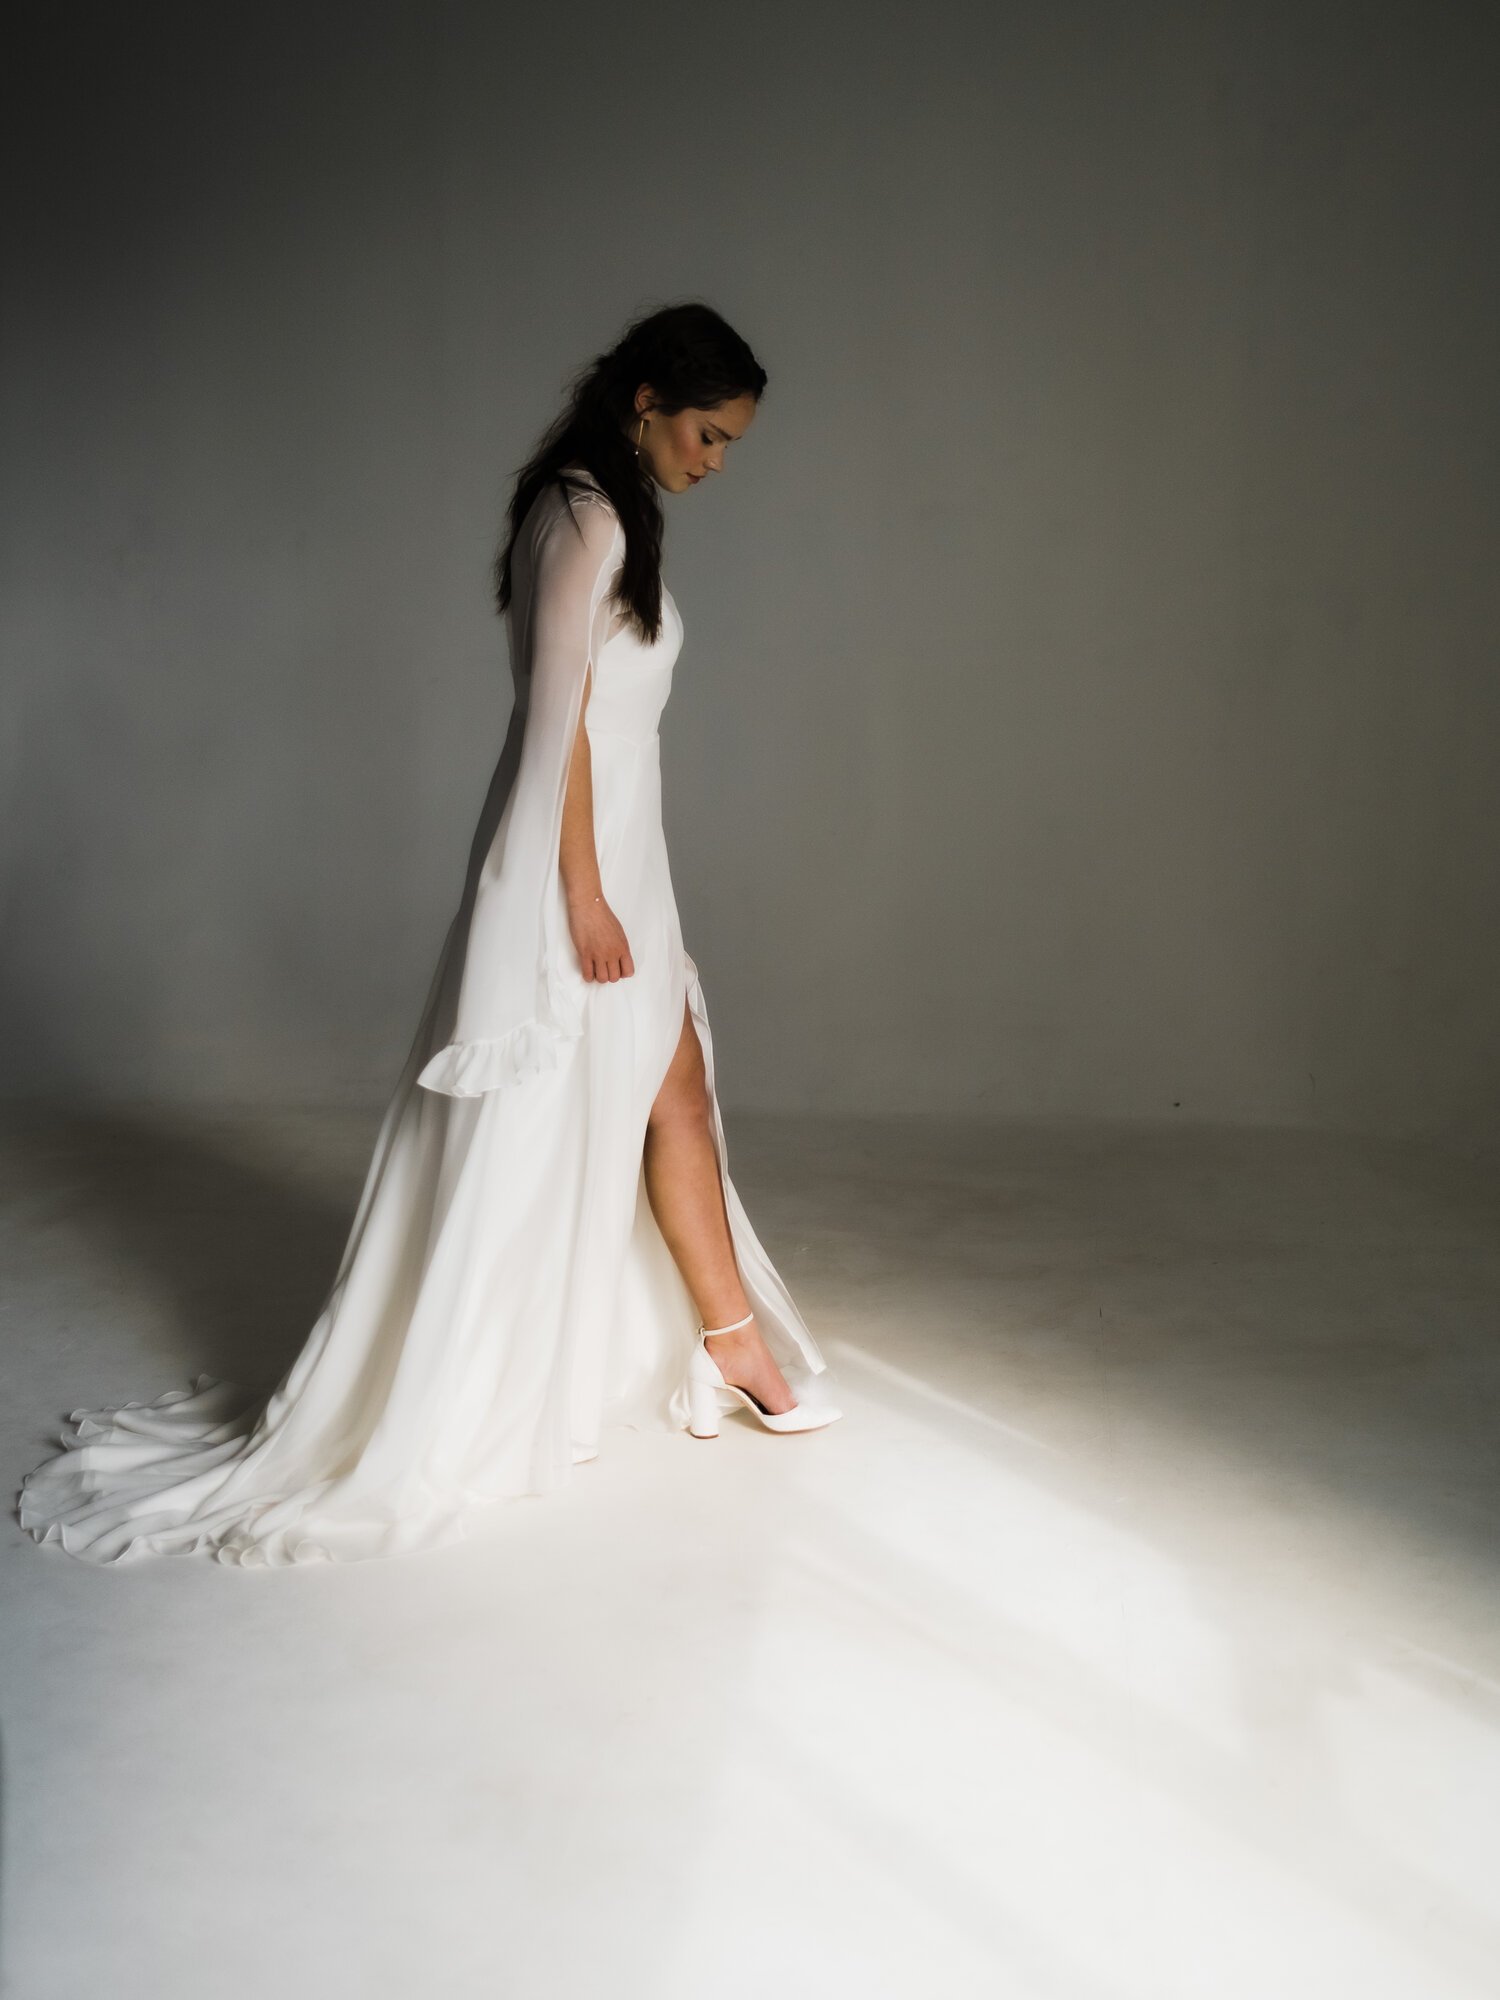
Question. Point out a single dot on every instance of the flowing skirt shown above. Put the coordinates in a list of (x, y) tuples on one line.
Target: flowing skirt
[(503, 1295)]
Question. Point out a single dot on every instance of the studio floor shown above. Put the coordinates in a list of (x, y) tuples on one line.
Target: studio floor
[(1136, 1633)]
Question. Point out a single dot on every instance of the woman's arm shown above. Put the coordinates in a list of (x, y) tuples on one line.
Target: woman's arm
[(598, 937)]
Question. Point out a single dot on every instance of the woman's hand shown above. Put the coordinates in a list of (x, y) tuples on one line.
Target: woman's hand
[(599, 939)]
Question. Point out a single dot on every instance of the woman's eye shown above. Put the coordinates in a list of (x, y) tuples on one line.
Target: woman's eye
[(706, 438)]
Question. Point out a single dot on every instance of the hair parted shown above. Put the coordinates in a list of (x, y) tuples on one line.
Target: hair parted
[(692, 359)]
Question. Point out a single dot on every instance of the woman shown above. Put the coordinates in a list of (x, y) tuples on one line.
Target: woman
[(548, 1210)]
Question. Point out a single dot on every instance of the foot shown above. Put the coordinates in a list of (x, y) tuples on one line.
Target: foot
[(744, 1359)]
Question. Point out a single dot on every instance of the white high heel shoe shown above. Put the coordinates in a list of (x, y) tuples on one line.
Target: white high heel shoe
[(709, 1394)]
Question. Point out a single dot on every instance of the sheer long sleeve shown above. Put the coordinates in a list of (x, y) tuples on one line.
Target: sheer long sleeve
[(522, 990)]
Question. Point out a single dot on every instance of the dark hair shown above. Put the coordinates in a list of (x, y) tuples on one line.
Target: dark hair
[(692, 359)]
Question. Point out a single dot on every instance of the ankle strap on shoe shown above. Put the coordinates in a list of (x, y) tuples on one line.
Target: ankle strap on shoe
[(710, 1331)]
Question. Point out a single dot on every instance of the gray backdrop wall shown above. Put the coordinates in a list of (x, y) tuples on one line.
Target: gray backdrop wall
[(1088, 701)]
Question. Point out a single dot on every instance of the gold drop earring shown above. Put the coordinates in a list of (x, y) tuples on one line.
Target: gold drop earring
[(639, 436)]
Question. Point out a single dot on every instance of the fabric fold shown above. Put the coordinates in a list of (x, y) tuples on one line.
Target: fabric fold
[(469, 1069)]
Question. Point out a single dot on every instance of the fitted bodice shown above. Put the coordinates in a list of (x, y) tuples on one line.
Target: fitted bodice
[(632, 678)]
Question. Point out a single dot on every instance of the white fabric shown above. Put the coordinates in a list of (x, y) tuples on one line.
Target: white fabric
[(504, 1292), (522, 993)]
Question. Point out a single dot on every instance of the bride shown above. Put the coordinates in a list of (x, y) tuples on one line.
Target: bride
[(548, 1241)]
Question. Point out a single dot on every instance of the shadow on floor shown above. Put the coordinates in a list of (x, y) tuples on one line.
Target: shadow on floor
[(220, 1235)]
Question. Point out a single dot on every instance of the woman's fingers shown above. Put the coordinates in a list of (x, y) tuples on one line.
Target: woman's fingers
[(608, 969)]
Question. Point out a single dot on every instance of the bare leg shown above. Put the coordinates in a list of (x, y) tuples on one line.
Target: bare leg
[(687, 1198)]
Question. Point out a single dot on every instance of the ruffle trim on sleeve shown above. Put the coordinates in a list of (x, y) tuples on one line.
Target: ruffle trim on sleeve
[(469, 1069)]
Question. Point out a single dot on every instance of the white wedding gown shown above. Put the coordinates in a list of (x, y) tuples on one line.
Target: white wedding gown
[(504, 1293)]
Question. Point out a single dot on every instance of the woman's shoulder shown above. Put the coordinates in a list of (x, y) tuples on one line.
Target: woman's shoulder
[(571, 490), (575, 523), (594, 513), (577, 483)]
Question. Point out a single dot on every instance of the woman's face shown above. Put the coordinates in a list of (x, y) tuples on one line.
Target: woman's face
[(683, 449)]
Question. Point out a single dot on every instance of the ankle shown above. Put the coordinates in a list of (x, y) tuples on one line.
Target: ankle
[(731, 1343), (732, 1333)]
